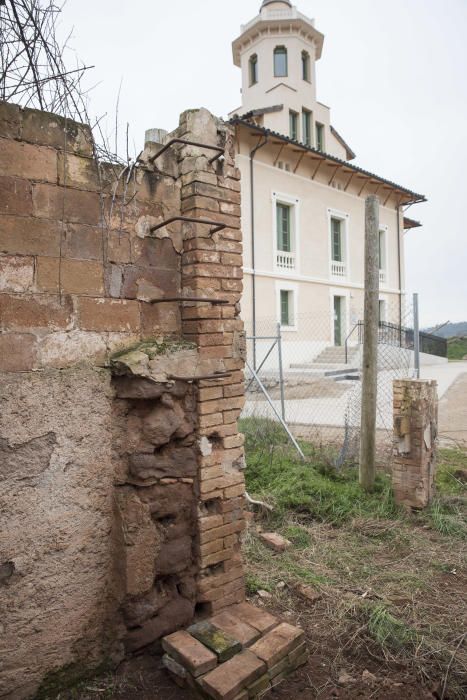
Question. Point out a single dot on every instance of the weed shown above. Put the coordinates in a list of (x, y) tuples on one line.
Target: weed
[(387, 630), (298, 536)]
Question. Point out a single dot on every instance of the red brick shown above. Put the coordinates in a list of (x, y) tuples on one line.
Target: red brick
[(210, 522), (278, 643), (229, 679), (112, 315), (35, 311), (15, 196), (190, 653), (259, 619), (235, 627), (274, 541), (17, 352), (234, 390), (218, 532), (64, 203), (29, 162), (27, 236)]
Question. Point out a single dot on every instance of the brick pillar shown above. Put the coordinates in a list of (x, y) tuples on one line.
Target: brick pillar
[(415, 431), (212, 268)]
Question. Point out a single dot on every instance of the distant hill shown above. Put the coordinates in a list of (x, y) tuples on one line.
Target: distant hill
[(451, 330)]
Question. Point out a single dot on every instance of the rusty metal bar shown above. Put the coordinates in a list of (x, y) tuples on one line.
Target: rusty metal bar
[(216, 226), (205, 378), (215, 302), (219, 149)]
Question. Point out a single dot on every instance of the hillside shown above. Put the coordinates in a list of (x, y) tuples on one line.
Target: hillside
[(457, 348), (450, 330)]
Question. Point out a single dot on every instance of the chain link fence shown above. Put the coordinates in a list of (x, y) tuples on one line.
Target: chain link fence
[(303, 382)]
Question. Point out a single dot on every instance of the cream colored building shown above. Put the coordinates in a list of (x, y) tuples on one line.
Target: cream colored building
[(303, 199)]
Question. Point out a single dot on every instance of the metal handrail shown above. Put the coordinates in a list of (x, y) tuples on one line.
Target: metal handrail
[(348, 338)]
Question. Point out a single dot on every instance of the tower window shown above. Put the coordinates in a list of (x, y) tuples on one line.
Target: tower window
[(306, 66), (280, 62), (293, 116), (319, 136), (306, 136), (253, 66)]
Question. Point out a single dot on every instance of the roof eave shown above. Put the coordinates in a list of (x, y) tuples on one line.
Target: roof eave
[(413, 197)]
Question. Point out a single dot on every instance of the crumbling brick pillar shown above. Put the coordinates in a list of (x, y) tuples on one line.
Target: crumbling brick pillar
[(212, 269), (415, 431)]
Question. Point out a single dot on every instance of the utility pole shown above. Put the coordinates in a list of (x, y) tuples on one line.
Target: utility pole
[(370, 345), (416, 336)]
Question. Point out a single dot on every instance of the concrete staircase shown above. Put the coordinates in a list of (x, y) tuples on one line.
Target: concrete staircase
[(331, 363)]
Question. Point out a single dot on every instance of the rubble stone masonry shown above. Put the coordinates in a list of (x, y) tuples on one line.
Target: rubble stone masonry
[(121, 464)]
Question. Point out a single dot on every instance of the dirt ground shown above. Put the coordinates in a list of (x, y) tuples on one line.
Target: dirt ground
[(453, 413)]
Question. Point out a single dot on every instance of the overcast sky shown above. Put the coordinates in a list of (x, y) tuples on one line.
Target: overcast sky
[(394, 73)]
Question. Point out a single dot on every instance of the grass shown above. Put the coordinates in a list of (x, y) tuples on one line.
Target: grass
[(392, 583), (457, 348)]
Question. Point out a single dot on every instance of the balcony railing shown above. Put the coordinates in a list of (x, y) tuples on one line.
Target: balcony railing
[(268, 14), (382, 276), (285, 261), (338, 268)]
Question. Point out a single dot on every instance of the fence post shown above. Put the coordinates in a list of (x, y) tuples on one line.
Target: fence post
[(416, 336), (370, 345), (281, 369)]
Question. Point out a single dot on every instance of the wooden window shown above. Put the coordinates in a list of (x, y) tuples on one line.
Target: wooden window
[(285, 308), (319, 136), (293, 118), (284, 238), (306, 66), (253, 64), (306, 136), (280, 62), (336, 239)]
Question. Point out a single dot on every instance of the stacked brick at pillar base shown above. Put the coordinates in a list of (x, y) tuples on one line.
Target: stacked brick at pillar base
[(415, 431), (212, 268)]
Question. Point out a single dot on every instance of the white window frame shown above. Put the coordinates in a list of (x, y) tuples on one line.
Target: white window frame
[(283, 286), (344, 217), (294, 204), (383, 272), (384, 299)]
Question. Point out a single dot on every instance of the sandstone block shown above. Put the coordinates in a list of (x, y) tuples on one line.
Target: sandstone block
[(170, 462), (30, 162), (230, 679), (172, 617), (35, 311), (309, 593), (259, 619), (174, 556), (108, 315), (168, 500), (60, 203), (15, 196), (16, 274), (190, 653), (223, 645), (10, 120), (51, 130), (78, 171), (82, 242), (18, 352), (274, 541), (28, 236), (278, 643)]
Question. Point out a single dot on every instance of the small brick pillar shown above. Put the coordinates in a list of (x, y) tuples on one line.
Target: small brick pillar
[(212, 269), (415, 431)]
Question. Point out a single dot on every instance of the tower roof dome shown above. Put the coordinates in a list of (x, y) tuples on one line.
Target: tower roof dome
[(268, 2)]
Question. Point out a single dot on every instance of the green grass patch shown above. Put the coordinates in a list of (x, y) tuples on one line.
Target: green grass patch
[(457, 348), (389, 632), (450, 462), (299, 537)]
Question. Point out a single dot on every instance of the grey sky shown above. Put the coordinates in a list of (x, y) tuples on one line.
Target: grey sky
[(393, 73)]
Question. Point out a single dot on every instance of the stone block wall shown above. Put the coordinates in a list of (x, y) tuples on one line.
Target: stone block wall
[(122, 498), (415, 432)]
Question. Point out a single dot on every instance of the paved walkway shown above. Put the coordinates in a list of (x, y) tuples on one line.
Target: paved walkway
[(445, 375)]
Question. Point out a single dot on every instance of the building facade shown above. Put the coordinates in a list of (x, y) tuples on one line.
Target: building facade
[(303, 199)]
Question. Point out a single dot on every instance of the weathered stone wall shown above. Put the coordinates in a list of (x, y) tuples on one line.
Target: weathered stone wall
[(122, 505), (415, 433)]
